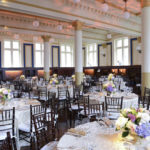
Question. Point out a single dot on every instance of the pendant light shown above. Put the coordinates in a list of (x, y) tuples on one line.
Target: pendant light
[(126, 13), (104, 6)]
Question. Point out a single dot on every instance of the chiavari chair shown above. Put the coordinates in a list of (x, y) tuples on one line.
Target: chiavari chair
[(45, 130), (8, 143), (144, 101), (62, 93), (27, 131), (7, 122), (113, 106), (146, 91)]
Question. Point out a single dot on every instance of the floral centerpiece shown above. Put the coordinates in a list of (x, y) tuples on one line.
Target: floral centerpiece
[(73, 77), (5, 94), (109, 87), (55, 75), (110, 77), (22, 77), (34, 78), (54, 81), (134, 122)]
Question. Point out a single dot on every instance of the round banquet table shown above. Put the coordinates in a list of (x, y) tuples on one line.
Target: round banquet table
[(129, 100), (93, 136), (22, 111), (54, 88)]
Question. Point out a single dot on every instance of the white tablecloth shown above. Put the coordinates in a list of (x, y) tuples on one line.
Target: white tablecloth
[(54, 88), (22, 111), (98, 138), (130, 99)]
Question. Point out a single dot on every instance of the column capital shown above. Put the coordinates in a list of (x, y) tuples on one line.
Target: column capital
[(46, 38), (78, 25), (145, 3)]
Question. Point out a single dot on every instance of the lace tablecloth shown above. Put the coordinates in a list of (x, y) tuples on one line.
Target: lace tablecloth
[(22, 111), (54, 88), (98, 138), (130, 99)]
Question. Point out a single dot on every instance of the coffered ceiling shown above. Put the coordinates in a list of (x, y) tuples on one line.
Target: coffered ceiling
[(18, 16)]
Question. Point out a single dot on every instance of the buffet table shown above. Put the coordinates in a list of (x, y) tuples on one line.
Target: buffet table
[(94, 136)]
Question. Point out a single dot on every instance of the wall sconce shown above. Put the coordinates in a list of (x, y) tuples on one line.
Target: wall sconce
[(103, 54), (139, 46)]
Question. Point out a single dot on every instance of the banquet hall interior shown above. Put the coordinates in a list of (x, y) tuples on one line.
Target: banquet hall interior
[(74, 74)]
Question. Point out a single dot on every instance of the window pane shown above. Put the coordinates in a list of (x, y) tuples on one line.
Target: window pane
[(69, 61), (94, 59), (42, 47), (38, 46), (63, 48), (126, 56), (119, 43), (62, 59), (15, 45), (16, 62), (125, 42), (119, 56), (94, 47), (91, 48), (7, 58), (38, 59), (7, 44), (68, 49)]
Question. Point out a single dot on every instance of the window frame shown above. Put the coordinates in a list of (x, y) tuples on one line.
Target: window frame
[(123, 47), (11, 50), (93, 52), (41, 54), (65, 53)]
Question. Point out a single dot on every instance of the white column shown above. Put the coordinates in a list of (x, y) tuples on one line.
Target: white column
[(145, 44), (78, 52), (46, 56)]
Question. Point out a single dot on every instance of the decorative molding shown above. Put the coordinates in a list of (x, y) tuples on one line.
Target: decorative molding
[(78, 25), (46, 38), (117, 22), (145, 3)]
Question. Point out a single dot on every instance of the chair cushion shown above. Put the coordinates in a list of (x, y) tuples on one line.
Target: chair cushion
[(3, 134), (25, 127), (50, 146), (75, 107)]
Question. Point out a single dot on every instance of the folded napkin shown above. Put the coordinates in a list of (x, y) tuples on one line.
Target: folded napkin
[(107, 121), (75, 131)]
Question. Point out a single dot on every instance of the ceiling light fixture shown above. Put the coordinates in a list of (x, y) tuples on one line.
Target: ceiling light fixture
[(36, 23), (104, 6), (59, 27), (109, 36), (126, 13)]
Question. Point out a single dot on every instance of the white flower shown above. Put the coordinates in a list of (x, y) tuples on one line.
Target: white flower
[(131, 126), (145, 117), (120, 123)]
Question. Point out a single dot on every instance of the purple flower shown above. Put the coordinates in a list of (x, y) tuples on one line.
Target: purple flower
[(132, 117), (110, 88), (143, 130), (5, 92)]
